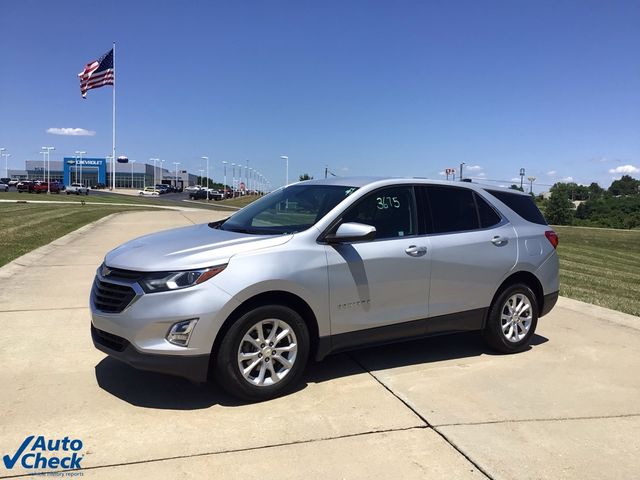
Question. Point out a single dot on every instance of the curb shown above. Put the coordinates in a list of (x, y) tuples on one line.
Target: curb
[(602, 313), (32, 257)]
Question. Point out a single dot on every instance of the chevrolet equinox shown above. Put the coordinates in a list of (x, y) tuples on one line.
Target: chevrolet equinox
[(320, 267)]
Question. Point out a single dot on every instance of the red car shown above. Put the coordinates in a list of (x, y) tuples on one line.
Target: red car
[(41, 187)]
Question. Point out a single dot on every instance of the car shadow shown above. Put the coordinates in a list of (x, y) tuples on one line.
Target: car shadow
[(159, 391)]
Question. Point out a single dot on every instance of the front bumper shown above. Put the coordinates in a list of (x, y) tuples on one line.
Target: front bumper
[(192, 367)]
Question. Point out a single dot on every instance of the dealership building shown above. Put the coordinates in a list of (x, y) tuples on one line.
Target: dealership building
[(92, 171)]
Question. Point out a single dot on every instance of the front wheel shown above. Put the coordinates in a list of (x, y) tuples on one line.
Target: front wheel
[(263, 354), (512, 319)]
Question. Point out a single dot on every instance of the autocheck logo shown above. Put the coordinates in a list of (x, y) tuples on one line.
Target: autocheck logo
[(40, 453)]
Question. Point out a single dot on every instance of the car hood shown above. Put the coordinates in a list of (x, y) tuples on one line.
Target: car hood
[(187, 248)]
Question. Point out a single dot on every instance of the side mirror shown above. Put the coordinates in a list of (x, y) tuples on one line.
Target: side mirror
[(351, 232)]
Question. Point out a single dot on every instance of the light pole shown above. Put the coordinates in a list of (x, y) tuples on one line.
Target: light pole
[(286, 178), (201, 175), (461, 165), (154, 170), (6, 163), (207, 159), (233, 180), (207, 187), (5, 155), (47, 152), (78, 152), (521, 178), (224, 163), (132, 162), (176, 164), (161, 171), (531, 180)]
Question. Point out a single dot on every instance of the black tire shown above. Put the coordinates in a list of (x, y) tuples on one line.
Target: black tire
[(226, 368), (493, 332)]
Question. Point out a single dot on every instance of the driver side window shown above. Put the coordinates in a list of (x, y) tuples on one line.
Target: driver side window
[(391, 210)]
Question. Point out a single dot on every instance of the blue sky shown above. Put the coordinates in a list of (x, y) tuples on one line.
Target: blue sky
[(365, 87)]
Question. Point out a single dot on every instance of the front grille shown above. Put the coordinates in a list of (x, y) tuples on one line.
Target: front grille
[(109, 340), (111, 297), (117, 274)]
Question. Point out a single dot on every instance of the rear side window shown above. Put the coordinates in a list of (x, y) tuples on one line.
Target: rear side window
[(452, 209), (523, 205), (488, 216)]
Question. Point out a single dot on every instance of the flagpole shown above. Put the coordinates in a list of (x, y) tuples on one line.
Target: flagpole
[(113, 153)]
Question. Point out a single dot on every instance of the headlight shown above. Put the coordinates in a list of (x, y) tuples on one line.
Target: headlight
[(165, 281)]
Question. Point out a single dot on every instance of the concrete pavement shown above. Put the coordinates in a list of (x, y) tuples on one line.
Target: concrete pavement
[(442, 407)]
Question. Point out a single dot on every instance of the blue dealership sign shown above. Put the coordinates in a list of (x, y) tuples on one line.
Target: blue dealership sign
[(87, 164)]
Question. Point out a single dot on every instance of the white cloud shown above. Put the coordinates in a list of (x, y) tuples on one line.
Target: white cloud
[(551, 173), (443, 173), (74, 132), (481, 175), (473, 168), (516, 179), (566, 179), (625, 169)]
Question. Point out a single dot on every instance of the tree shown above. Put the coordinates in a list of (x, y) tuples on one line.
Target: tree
[(595, 191), (516, 187), (305, 176), (559, 210), (627, 185)]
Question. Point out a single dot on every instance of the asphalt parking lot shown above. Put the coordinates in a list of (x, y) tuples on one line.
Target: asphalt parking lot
[(441, 407)]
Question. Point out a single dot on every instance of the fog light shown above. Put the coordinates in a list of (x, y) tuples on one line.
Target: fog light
[(180, 332)]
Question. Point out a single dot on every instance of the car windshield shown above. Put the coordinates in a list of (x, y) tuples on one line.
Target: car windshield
[(287, 210)]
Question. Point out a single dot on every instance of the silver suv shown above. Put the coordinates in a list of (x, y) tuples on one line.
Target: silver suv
[(325, 266)]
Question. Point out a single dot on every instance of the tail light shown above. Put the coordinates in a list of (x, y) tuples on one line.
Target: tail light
[(552, 237)]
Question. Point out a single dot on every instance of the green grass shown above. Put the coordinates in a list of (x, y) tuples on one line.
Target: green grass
[(601, 266), (24, 227)]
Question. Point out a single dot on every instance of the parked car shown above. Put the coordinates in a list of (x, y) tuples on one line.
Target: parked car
[(149, 191), (13, 183), (324, 266), (43, 187), (26, 186), (77, 188), (4, 187), (193, 188), (5, 180), (204, 194), (162, 188), (99, 186), (215, 195)]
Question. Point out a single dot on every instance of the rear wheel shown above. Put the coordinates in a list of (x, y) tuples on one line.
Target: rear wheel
[(263, 354), (512, 319)]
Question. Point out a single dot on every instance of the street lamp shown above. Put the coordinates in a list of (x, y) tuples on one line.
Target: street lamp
[(225, 178), (6, 163), (286, 159), (461, 165), (132, 162), (233, 180), (531, 180), (80, 153), (521, 178), (154, 170), (48, 151), (207, 187), (6, 156), (176, 164)]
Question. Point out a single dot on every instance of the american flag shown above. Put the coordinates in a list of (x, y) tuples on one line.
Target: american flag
[(97, 73)]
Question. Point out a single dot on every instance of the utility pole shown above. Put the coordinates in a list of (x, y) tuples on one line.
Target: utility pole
[(286, 178), (521, 178), (461, 165)]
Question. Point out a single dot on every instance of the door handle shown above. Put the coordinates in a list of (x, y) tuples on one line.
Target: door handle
[(415, 251), (499, 241)]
